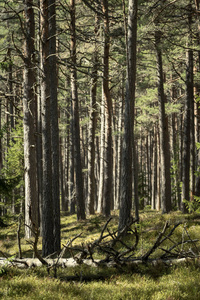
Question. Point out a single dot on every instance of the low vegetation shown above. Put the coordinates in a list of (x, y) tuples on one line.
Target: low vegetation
[(143, 281)]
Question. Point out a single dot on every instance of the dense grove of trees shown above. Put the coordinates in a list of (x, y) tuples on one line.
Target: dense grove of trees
[(99, 107)]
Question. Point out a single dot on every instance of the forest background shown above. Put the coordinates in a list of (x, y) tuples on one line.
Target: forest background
[(99, 109)]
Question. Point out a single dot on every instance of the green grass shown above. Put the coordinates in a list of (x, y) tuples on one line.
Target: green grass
[(82, 282)]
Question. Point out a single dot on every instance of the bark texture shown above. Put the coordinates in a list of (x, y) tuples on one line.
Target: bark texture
[(47, 204), (75, 115), (164, 134), (29, 121), (54, 123), (128, 142)]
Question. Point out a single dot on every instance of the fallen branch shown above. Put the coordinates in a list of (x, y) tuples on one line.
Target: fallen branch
[(112, 256), (70, 262), (160, 239), (18, 236), (36, 233)]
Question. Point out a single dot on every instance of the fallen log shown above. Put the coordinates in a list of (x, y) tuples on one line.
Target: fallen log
[(71, 262), (112, 256)]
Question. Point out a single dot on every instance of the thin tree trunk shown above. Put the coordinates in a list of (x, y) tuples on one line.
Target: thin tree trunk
[(53, 82), (108, 164), (119, 153), (39, 126), (29, 121), (164, 135), (197, 109), (71, 186), (75, 115), (101, 167), (92, 129), (187, 126), (62, 179), (154, 172)]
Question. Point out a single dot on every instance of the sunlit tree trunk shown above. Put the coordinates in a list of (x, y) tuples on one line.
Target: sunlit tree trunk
[(92, 128), (154, 171), (29, 122), (119, 152), (71, 186), (164, 134), (101, 154), (39, 122)]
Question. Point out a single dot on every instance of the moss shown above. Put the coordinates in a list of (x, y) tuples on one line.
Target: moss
[(133, 282)]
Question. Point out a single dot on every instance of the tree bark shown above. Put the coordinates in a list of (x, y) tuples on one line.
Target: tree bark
[(119, 151), (128, 142), (154, 171), (164, 134), (187, 126), (75, 115), (92, 128), (53, 82), (29, 122), (101, 164), (47, 204), (108, 164)]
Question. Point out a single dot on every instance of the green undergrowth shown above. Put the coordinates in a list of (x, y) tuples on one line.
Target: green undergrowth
[(83, 282), (182, 282)]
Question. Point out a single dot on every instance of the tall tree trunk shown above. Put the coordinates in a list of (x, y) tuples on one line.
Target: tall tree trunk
[(53, 82), (154, 171), (128, 142), (92, 128), (1, 146), (108, 165), (101, 164), (119, 151), (197, 109), (164, 135), (1, 154), (39, 125), (10, 87), (29, 121), (187, 125), (47, 204), (71, 187), (75, 116)]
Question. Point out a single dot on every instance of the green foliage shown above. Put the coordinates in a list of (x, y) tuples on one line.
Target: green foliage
[(12, 174), (140, 284), (5, 65), (193, 205), (15, 155), (198, 145), (4, 130), (8, 184)]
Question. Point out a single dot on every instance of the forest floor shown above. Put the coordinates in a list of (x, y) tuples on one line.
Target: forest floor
[(144, 281)]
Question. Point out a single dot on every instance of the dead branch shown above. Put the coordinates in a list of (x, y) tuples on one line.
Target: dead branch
[(157, 242), (160, 239), (178, 253), (192, 241), (18, 236), (36, 233), (112, 256)]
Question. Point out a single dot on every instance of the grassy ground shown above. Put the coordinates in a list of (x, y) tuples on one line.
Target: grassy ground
[(141, 282)]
